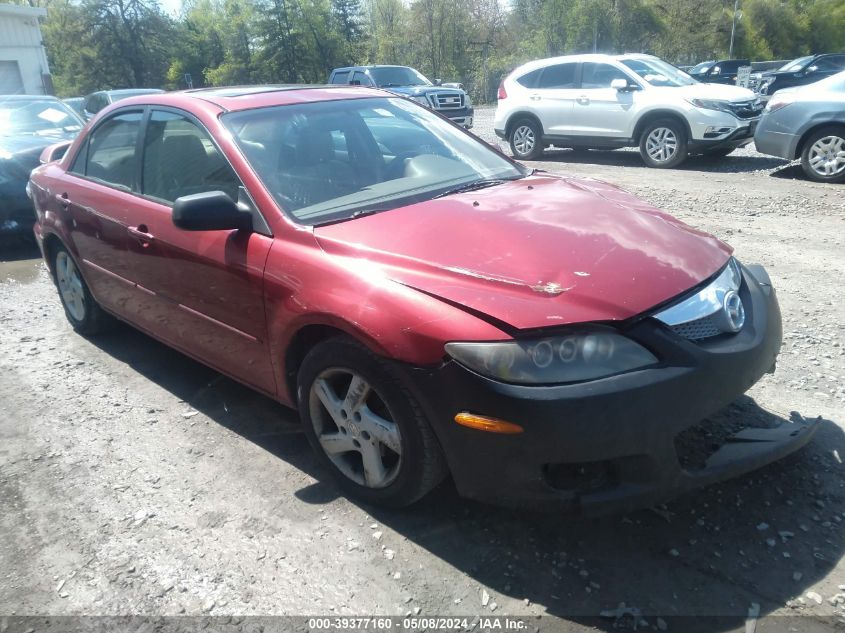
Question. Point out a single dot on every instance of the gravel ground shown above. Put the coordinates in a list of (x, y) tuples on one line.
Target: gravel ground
[(134, 481)]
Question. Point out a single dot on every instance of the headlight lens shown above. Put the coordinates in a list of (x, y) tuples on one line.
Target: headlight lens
[(468, 101), (779, 101), (421, 99), (710, 104), (575, 357)]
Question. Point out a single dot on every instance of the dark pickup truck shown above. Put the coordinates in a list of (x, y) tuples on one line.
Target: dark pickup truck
[(453, 103)]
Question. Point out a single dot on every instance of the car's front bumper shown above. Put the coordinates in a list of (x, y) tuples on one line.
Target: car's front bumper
[(741, 133), (463, 117), (16, 211), (610, 444)]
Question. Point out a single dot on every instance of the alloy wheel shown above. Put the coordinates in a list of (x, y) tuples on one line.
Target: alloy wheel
[(524, 139), (70, 286), (827, 156), (661, 144), (355, 428)]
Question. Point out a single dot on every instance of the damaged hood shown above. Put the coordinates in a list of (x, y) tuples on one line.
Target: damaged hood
[(536, 252)]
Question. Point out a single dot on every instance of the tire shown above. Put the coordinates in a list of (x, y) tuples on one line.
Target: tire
[(526, 140), (823, 156), (352, 400), (84, 313), (663, 137)]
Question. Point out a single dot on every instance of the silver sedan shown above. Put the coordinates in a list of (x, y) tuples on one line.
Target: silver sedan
[(808, 122)]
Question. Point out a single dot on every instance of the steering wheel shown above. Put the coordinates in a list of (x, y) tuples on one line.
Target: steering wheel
[(396, 167)]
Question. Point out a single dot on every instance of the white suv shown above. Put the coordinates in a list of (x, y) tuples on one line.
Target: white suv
[(605, 101)]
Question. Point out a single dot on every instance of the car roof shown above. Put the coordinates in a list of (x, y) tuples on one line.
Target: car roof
[(586, 57), (368, 66), (234, 98), (28, 98)]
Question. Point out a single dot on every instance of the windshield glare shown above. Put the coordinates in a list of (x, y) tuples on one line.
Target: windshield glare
[(659, 73), (329, 161), (796, 64), (398, 76), (36, 117)]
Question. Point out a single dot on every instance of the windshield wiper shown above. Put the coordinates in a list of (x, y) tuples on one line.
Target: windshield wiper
[(357, 214), (473, 186)]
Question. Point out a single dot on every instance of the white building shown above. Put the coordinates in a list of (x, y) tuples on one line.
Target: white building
[(23, 62)]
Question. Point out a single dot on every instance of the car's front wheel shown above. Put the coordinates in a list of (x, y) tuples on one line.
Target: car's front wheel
[(365, 425), (526, 140), (823, 157), (663, 144), (84, 313)]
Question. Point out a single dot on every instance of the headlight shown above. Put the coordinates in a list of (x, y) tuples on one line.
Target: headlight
[(779, 101), (575, 357), (468, 101), (711, 104), (421, 99)]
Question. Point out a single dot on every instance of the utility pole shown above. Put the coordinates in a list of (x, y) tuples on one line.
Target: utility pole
[(733, 30)]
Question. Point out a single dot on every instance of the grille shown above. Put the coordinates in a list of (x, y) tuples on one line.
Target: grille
[(747, 109), (447, 100), (698, 329)]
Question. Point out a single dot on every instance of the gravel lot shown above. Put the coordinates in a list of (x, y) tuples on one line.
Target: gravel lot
[(136, 481)]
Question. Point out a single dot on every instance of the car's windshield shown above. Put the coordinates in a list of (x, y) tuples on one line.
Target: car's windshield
[(397, 76), (38, 116), (700, 68), (333, 160), (796, 64), (659, 73)]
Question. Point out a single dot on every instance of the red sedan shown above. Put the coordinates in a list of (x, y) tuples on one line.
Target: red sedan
[(429, 305)]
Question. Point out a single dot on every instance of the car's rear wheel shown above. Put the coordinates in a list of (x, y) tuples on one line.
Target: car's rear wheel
[(663, 144), (366, 427), (823, 156), (526, 140), (84, 313)]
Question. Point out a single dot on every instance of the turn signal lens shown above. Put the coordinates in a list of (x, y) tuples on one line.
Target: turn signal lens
[(491, 425)]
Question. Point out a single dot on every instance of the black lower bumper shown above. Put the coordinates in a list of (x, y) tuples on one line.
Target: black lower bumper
[(738, 138), (17, 215), (610, 444)]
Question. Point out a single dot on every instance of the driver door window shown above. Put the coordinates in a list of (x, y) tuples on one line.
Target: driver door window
[(180, 159)]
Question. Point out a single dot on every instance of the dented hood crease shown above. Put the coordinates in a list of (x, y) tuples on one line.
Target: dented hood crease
[(541, 251)]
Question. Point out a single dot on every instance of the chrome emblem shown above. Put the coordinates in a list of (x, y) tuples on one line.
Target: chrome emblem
[(732, 316)]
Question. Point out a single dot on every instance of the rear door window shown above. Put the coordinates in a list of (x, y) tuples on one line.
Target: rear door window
[(559, 76), (111, 155), (341, 77)]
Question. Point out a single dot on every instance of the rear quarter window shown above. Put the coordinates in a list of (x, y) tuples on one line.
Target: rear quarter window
[(530, 79)]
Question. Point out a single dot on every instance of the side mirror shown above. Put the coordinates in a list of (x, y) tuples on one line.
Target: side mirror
[(812, 69), (209, 211), (355, 82), (56, 151), (623, 85), (438, 82)]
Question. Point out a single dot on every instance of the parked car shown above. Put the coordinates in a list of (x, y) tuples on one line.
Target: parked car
[(808, 122), (800, 72), (77, 104), (442, 309), (28, 124), (603, 101), (722, 71), (96, 101), (451, 102)]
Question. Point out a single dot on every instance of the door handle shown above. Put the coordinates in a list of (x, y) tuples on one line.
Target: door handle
[(62, 199), (535, 97), (140, 233), (583, 100)]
